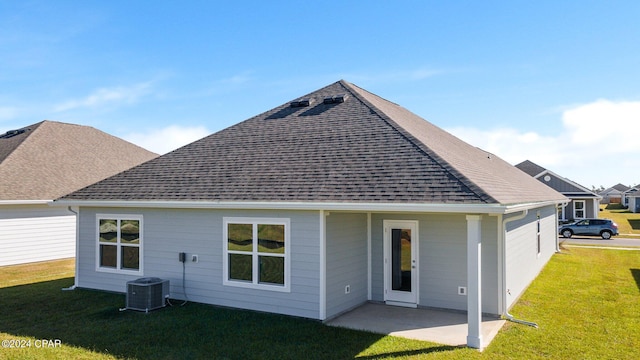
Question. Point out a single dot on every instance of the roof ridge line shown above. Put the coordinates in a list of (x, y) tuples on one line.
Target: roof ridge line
[(20, 145), (419, 144)]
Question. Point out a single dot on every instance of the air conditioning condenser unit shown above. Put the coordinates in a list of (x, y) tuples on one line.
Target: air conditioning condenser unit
[(146, 294)]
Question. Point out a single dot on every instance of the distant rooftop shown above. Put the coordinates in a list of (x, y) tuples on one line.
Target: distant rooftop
[(49, 159)]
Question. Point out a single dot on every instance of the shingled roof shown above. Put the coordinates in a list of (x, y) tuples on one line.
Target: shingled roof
[(566, 187), (49, 159), (338, 144), (531, 168)]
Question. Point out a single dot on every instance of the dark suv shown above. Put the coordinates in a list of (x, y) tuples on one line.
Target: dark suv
[(596, 227)]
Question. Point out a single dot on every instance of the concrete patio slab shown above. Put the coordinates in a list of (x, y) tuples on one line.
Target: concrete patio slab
[(443, 327)]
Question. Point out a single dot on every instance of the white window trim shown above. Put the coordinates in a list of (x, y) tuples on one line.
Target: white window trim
[(584, 209), (287, 254), (99, 268)]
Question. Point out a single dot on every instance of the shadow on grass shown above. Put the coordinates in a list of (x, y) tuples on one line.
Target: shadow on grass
[(635, 224), (636, 276), (91, 320), (618, 209), (409, 353)]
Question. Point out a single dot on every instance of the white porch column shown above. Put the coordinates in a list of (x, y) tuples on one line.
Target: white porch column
[(474, 281)]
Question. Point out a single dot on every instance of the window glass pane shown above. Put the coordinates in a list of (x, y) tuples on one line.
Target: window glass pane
[(240, 267), (271, 270), (108, 254), (271, 239), (130, 231), (401, 259), (130, 257), (108, 230), (240, 237)]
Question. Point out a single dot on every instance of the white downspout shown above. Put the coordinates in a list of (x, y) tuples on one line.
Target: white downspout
[(560, 206), (75, 278), (506, 314)]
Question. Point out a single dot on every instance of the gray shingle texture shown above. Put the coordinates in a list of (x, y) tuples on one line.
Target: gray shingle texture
[(365, 149), (50, 159)]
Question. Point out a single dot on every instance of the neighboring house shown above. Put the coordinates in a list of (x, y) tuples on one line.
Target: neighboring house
[(634, 201), (42, 162), (584, 203), (626, 195), (613, 195), (317, 206)]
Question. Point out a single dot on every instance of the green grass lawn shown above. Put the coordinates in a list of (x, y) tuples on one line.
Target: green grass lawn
[(586, 301), (628, 222)]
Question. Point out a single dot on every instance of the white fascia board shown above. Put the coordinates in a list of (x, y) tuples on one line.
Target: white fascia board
[(327, 206), (25, 202), (579, 197), (528, 206)]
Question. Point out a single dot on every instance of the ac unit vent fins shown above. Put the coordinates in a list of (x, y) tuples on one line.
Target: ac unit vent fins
[(337, 99), (146, 294), (301, 103)]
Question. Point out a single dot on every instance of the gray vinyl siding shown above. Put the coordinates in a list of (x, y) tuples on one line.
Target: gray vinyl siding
[(559, 184), (346, 259), (167, 232), (568, 211), (442, 259), (490, 268), (634, 204), (30, 233), (522, 261), (590, 209)]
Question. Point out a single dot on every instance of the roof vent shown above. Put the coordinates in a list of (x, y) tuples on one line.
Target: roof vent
[(12, 133), (300, 103), (336, 99)]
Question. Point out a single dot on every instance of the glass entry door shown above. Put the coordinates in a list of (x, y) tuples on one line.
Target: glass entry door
[(401, 262)]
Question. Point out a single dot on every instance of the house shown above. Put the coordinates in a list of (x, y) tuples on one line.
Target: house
[(318, 206), (627, 194), (584, 202), (41, 162), (613, 195), (632, 198)]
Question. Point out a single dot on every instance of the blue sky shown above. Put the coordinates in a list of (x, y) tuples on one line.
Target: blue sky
[(552, 82)]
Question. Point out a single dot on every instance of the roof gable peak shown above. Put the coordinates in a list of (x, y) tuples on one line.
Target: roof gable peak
[(354, 147)]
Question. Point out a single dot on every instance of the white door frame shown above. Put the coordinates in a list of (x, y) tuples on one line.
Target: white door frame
[(394, 297)]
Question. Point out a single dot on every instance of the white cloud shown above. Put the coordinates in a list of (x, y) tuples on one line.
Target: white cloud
[(596, 144), (512, 145), (167, 139), (107, 96), (606, 123)]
